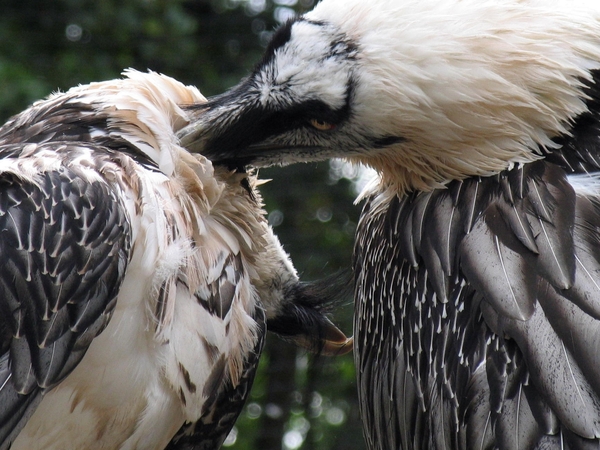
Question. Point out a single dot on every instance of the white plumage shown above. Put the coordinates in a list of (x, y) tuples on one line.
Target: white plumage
[(137, 279), (477, 256)]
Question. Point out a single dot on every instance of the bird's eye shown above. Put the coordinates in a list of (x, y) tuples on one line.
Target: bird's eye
[(321, 125)]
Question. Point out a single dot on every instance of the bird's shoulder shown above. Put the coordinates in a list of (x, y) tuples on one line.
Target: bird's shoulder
[(476, 278), (65, 239)]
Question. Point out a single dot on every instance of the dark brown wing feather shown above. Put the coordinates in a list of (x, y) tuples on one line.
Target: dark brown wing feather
[(65, 244)]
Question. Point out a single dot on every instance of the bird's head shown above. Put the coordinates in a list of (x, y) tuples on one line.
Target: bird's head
[(424, 91)]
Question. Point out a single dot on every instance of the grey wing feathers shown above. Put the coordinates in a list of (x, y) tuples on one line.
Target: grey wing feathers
[(65, 244), (492, 297)]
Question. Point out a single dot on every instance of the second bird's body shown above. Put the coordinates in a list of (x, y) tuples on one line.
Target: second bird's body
[(477, 258)]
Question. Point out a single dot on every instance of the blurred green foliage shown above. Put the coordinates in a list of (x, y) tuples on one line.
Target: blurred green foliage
[(48, 45)]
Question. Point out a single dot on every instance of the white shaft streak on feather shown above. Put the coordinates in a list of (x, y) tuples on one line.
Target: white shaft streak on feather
[(472, 209), (512, 293), (520, 220), (16, 227), (422, 218), (539, 196), (6, 381), (487, 424), (587, 272), (443, 410), (575, 383), (542, 225), (517, 415), (450, 219), (52, 322)]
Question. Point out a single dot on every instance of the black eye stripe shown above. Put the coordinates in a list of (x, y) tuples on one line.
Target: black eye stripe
[(387, 141), (317, 110), (258, 124)]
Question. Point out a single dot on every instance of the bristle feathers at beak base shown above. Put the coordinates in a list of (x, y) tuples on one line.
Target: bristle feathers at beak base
[(302, 320)]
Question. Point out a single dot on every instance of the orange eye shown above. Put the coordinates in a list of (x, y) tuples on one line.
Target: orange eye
[(321, 125)]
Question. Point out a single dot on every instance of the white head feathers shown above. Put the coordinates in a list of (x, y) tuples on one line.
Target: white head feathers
[(474, 86)]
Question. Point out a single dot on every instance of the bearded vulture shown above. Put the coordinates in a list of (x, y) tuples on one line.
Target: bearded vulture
[(477, 255), (137, 280)]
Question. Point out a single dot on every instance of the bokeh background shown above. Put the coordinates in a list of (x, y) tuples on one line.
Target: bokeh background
[(297, 402)]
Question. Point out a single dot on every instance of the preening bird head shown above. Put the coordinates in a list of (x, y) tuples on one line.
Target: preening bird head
[(288, 109), (424, 91), (300, 316)]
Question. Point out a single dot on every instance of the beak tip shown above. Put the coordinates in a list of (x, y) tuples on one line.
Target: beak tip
[(338, 348)]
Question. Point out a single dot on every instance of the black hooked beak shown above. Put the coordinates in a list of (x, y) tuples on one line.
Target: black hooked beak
[(235, 129), (211, 132), (302, 319), (223, 128)]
